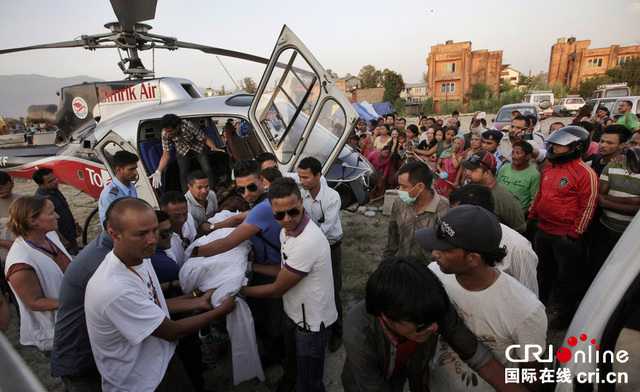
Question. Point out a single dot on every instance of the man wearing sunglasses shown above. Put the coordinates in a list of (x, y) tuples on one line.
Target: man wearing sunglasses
[(322, 204), (304, 281), (495, 306), (481, 168), (264, 232)]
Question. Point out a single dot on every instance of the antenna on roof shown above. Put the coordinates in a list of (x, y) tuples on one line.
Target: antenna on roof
[(225, 69)]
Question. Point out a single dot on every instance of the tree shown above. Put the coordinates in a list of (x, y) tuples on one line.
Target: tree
[(629, 72), (370, 76), (479, 91), (505, 85), (524, 80), (428, 106), (332, 74), (425, 77), (393, 85), (222, 91), (247, 84)]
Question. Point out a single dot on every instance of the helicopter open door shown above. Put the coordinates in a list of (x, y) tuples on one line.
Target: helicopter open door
[(298, 111), (106, 149)]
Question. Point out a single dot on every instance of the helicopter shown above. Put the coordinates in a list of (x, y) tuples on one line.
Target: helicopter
[(97, 119)]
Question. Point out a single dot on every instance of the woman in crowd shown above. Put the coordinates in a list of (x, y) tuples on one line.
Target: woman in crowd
[(382, 164), (427, 149), (449, 134), (475, 146), (600, 120), (584, 114), (448, 166), (35, 265), (412, 143), (269, 175), (384, 138), (369, 140)]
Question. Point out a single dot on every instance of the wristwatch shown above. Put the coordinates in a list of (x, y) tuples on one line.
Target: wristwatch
[(194, 252)]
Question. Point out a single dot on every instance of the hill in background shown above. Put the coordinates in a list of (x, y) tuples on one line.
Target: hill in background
[(18, 92)]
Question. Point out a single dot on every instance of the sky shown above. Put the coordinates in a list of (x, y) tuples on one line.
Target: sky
[(343, 35)]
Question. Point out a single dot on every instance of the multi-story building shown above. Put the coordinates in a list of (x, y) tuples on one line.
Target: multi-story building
[(572, 61), (453, 68), (414, 92), (510, 75)]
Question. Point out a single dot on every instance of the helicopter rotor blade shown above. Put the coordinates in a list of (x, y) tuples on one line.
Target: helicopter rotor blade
[(130, 12), (219, 51), (66, 44)]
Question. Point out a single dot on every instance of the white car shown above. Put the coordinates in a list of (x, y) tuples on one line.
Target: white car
[(567, 106)]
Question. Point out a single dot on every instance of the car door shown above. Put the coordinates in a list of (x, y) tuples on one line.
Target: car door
[(106, 149), (298, 110)]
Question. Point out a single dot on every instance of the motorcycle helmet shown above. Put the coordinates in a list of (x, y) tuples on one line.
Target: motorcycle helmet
[(633, 159), (577, 138)]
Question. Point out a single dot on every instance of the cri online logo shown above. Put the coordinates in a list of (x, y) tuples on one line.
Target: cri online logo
[(565, 354)]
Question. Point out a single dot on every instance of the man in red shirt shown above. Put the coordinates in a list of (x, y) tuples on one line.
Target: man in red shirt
[(564, 208)]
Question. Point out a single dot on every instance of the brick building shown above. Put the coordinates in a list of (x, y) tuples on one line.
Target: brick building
[(453, 68), (572, 61)]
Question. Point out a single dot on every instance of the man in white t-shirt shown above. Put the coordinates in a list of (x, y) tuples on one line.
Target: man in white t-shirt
[(132, 336), (496, 307), (305, 282)]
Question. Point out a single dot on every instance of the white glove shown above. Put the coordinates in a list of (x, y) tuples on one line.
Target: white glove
[(156, 179)]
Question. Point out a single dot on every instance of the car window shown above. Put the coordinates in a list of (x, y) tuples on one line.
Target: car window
[(574, 101), (617, 92), (505, 113)]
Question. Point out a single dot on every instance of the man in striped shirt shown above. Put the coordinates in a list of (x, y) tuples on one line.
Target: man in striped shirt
[(619, 198)]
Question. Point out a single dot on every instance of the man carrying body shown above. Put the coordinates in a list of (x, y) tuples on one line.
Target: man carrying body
[(389, 337), (417, 206), (126, 166), (305, 283), (185, 137), (564, 207), (128, 320), (264, 231), (184, 229), (497, 308), (322, 204), (481, 168), (627, 118), (520, 178), (68, 227), (202, 202)]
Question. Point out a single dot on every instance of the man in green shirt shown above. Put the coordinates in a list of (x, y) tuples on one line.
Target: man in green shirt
[(627, 118), (520, 178)]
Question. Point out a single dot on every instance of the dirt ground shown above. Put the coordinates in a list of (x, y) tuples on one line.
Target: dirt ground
[(364, 240)]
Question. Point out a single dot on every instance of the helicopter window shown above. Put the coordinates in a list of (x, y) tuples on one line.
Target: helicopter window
[(326, 132), (241, 100), (191, 90), (283, 108)]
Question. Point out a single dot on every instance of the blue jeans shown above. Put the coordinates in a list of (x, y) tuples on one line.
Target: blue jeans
[(308, 349)]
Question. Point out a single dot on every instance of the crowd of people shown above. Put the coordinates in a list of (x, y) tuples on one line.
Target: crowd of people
[(460, 281)]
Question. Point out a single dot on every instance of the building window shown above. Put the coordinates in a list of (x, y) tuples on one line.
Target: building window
[(448, 88), (595, 63), (449, 68), (622, 59)]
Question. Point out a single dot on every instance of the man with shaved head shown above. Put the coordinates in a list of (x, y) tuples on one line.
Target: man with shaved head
[(132, 336)]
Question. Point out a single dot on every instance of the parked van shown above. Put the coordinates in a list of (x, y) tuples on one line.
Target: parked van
[(542, 99), (600, 103), (611, 91)]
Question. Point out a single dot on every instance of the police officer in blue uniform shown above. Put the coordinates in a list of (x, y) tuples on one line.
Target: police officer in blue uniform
[(126, 166)]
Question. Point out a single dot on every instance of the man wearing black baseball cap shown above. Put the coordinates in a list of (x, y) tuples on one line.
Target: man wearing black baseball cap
[(496, 307), (481, 168)]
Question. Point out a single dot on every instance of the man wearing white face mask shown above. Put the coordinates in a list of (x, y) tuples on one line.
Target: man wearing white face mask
[(416, 207)]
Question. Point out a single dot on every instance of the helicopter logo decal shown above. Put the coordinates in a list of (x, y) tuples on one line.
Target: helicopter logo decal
[(80, 108)]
